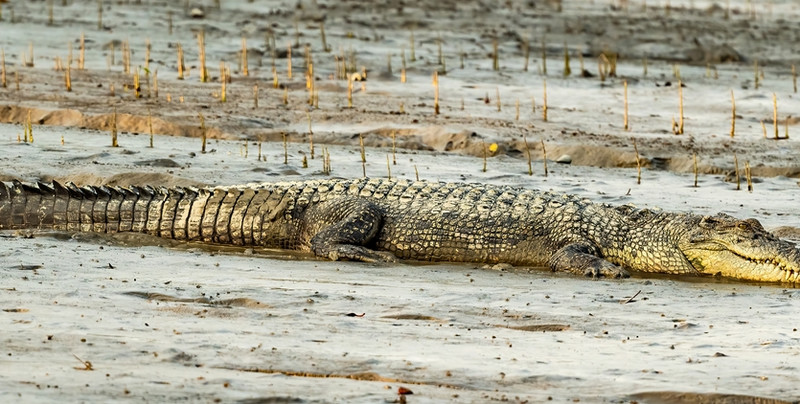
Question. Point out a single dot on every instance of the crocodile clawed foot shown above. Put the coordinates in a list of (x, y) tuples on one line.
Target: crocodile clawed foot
[(358, 253), (607, 270)]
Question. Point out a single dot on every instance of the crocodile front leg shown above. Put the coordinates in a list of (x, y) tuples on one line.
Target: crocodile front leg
[(582, 259), (341, 229)]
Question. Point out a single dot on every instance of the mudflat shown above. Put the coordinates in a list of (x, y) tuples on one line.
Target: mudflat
[(91, 317)]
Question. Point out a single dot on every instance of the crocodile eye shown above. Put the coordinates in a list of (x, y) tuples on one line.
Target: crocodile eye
[(743, 226)]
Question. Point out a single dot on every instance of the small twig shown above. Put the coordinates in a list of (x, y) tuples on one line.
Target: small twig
[(632, 297), (86, 364)]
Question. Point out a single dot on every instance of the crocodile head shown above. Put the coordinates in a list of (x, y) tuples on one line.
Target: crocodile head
[(725, 246)]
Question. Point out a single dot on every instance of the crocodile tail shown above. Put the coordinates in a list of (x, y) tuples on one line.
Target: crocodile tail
[(225, 216), (87, 209)]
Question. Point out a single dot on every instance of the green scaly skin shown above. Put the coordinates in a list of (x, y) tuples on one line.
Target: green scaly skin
[(383, 220)]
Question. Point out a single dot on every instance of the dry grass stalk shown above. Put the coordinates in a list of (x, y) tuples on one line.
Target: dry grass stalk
[(676, 72), (169, 21), (764, 128), (126, 56), (528, 153), (201, 45), (644, 67), (26, 62), (155, 83), (202, 133), (412, 54), (695, 169), (110, 59), (3, 82), (147, 81), (544, 58), (29, 129), (297, 32), (349, 91), (755, 74), (638, 163), (260, 156), (567, 69), (388, 167), (625, 100), (49, 12), (440, 53), (150, 126), (416, 172), (285, 149), (775, 114), (794, 78), (310, 83), (114, 142), (680, 108), (516, 117), (485, 154), (310, 135), (736, 171), (363, 79), (82, 52), (137, 93), (748, 176), (544, 158), (603, 66), (786, 127), (495, 56), (275, 83), (289, 61), (526, 55), (363, 154), (499, 103), (394, 147), (147, 48), (733, 114), (286, 96), (316, 98), (255, 96), (16, 79), (544, 100), (223, 94), (68, 78), (245, 70), (435, 92), (322, 37), (181, 66)]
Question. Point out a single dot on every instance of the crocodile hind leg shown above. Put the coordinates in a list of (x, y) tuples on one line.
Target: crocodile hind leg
[(343, 227), (582, 260)]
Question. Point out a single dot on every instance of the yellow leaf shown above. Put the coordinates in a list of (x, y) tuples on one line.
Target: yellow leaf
[(493, 147)]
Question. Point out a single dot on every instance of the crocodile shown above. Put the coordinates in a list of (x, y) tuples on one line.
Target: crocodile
[(386, 220)]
